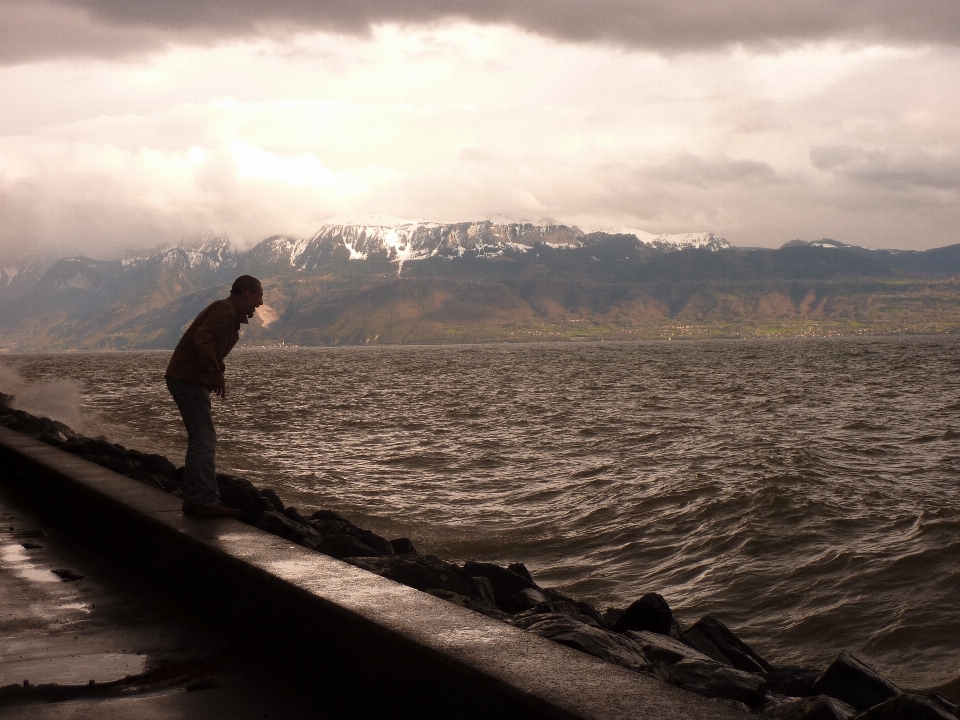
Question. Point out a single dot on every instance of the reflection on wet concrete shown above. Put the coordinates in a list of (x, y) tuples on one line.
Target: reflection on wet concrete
[(73, 669), (14, 557)]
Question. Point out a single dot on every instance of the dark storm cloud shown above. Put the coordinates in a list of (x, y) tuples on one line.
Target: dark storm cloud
[(894, 167), (104, 27)]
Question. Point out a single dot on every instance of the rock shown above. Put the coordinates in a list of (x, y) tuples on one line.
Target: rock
[(651, 612), (592, 640), (559, 607), (240, 493), (505, 583), (294, 514), (484, 590), (718, 680), (422, 573), (852, 681), (943, 701), (403, 546), (271, 497), (611, 615), (342, 546), (791, 680), (273, 522), (479, 606), (818, 707), (662, 648), (906, 707), (520, 569), (715, 640), (325, 516), (524, 600)]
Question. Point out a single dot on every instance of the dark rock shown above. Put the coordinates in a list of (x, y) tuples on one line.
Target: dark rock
[(341, 546), (791, 680), (271, 497), (662, 648), (520, 569), (505, 583), (403, 546), (479, 606), (422, 573), (273, 522), (651, 612), (240, 493), (484, 590), (325, 516), (942, 700), (611, 615), (715, 640), (718, 680), (294, 514), (818, 707), (559, 607), (524, 600), (153, 463), (906, 707), (852, 681), (594, 641)]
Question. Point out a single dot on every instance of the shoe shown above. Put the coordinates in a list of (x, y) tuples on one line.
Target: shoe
[(216, 511), (189, 508)]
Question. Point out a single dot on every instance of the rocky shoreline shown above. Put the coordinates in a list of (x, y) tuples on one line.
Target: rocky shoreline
[(706, 658)]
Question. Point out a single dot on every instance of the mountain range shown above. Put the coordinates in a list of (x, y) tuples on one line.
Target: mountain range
[(481, 281)]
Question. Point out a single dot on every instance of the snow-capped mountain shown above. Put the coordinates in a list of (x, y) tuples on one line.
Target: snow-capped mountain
[(402, 241), (678, 241), (412, 241)]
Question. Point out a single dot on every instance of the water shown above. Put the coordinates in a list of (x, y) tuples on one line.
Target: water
[(805, 492)]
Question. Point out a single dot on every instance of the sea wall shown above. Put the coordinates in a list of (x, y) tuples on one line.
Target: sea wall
[(396, 647)]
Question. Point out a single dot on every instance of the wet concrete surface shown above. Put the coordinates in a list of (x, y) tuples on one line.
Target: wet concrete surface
[(80, 640)]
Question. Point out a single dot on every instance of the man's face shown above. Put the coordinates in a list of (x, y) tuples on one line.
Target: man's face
[(250, 300)]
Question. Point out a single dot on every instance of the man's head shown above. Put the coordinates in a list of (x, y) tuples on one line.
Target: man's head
[(247, 294)]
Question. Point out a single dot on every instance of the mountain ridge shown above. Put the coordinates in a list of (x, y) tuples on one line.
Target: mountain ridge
[(484, 281)]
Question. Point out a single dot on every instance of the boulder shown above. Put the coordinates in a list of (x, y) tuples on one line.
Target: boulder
[(522, 601), (559, 607), (946, 703), (818, 707), (791, 680), (852, 681), (271, 497), (479, 606), (505, 582), (240, 493), (294, 514), (715, 640), (342, 546), (485, 590), (906, 707), (594, 641), (273, 522), (717, 680), (662, 648), (651, 612), (422, 573), (403, 546), (520, 569)]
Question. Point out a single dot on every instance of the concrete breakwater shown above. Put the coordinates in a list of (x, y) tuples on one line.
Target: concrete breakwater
[(642, 646)]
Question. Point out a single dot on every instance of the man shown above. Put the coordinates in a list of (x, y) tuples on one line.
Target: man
[(195, 370)]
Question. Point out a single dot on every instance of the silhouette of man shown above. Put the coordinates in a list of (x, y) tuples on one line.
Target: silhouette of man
[(196, 370)]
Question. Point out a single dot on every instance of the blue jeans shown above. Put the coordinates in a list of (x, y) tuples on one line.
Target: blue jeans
[(200, 464)]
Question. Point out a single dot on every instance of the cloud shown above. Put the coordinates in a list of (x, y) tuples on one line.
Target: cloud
[(107, 28), (895, 167)]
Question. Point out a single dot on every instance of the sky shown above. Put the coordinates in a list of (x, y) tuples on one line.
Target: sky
[(126, 124)]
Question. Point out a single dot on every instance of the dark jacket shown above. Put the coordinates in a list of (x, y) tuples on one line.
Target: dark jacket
[(199, 356)]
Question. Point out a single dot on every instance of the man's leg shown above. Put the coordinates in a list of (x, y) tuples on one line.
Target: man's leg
[(199, 466)]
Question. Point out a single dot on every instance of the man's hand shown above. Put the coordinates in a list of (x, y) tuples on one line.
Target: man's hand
[(220, 390)]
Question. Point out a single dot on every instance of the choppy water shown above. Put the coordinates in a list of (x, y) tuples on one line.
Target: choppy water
[(806, 492)]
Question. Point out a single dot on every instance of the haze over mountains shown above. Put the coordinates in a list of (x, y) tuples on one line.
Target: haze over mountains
[(482, 281)]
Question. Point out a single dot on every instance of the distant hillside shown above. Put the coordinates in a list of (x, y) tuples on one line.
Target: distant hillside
[(479, 282)]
